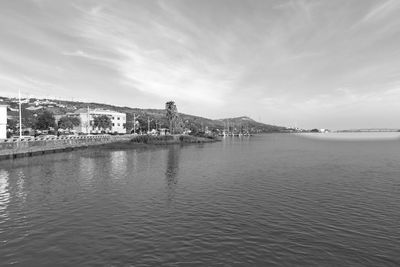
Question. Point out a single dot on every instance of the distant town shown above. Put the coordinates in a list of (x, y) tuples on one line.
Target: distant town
[(58, 117), (61, 117)]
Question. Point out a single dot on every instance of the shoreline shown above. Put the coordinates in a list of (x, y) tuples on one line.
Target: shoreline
[(40, 146)]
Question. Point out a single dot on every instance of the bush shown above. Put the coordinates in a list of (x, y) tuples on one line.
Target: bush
[(187, 138), (140, 139), (152, 139)]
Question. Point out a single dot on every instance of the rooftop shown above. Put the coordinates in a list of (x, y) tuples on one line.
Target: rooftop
[(97, 111)]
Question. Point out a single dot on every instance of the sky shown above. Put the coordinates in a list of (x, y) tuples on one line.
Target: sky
[(310, 64)]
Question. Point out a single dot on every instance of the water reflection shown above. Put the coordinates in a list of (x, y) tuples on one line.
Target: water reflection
[(20, 190), (4, 193), (118, 163), (86, 170), (171, 172)]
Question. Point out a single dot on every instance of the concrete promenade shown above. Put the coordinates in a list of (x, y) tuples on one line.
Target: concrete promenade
[(30, 146)]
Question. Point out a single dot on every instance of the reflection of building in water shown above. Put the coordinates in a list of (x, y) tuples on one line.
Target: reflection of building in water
[(118, 163), (4, 191), (171, 173), (20, 190), (87, 171)]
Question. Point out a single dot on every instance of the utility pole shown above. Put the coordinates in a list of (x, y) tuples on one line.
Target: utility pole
[(20, 114), (148, 124)]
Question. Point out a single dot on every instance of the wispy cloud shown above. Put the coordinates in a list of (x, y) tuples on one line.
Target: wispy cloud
[(169, 68), (291, 59), (381, 11)]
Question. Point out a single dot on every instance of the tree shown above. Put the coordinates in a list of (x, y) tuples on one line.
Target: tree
[(45, 121), (12, 125), (68, 122), (194, 129), (176, 124), (171, 111), (142, 124), (102, 122)]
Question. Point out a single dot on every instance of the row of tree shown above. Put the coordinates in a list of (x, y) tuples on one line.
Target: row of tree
[(43, 121), (46, 121)]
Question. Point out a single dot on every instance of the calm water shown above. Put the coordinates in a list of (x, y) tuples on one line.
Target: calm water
[(261, 201)]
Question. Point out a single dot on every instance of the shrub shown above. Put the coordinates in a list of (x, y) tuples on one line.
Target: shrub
[(140, 139)]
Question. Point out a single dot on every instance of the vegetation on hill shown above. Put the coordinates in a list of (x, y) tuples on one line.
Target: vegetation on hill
[(32, 108), (68, 123)]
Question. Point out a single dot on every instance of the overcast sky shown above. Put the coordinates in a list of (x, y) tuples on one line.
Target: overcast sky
[(325, 64)]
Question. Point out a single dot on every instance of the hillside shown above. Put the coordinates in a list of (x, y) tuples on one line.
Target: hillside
[(250, 124), (31, 107)]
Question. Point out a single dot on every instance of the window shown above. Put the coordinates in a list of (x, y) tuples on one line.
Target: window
[(118, 124), (113, 124), (118, 118), (113, 118)]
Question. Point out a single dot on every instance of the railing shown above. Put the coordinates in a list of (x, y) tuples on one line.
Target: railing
[(65, 137)]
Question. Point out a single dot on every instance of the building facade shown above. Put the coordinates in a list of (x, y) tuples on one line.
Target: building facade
[(86, 117), (3, 121)]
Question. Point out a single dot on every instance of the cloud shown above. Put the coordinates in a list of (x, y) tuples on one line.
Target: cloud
[(381, 11), (285, 58), (168, 69), (25, 84), (80, 53)]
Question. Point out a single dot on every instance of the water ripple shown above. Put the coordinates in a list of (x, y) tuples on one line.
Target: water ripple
[(274, 200)]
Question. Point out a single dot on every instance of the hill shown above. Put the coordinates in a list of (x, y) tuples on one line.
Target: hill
[(246, 123), (32, 106)]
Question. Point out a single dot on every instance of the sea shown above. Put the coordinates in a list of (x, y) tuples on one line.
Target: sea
[(265, 200)]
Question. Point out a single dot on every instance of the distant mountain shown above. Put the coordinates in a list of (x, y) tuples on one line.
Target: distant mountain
[(33, 106)]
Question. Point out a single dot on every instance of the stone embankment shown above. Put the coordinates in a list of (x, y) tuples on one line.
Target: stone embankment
[(30, 146)]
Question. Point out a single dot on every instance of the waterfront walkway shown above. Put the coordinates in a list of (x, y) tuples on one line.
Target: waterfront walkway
[(30, 146)]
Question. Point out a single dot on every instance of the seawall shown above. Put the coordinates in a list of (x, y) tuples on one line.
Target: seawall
[(30, 146)]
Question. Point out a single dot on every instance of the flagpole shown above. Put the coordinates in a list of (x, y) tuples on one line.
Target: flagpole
[(88, 120), (20, 114)]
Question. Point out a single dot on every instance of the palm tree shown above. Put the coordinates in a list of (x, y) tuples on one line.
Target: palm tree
[(172, 111)]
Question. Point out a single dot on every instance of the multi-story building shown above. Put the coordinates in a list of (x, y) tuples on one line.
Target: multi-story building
[(3, 121), (86, 117)]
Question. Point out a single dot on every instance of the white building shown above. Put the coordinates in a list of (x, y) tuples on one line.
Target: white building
[(3, 121), (87, 116)]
